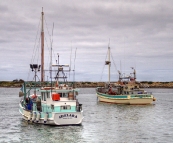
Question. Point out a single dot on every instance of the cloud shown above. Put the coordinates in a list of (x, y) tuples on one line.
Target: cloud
[(140, 34)]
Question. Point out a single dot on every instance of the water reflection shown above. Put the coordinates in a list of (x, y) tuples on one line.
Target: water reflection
[(45, 133), (103, 122)]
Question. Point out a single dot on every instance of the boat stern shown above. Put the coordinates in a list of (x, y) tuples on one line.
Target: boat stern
[(70, 118)]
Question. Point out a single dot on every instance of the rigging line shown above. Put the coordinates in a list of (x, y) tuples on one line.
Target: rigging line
[(51, 54), (47, 46), (50, 38), (75, 58), (34, 47), (54, 54), (49, 49), (70, 62), (36, 39), (34, 55), (103, 66), (38, 49), (47, 27), (114, 62)]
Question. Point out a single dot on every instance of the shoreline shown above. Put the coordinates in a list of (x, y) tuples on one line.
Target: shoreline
[(143, 84)]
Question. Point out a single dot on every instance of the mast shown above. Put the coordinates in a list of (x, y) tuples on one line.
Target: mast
[(42, 46), (109, 64)]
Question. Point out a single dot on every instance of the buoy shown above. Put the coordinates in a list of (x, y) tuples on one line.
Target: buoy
[(45, 117), (38, 117), (154, 99), (29, 117), (34, 116), (33, 96)]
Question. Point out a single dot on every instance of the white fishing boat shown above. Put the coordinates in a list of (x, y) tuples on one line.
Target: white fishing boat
[(126, 91), (54, 102)]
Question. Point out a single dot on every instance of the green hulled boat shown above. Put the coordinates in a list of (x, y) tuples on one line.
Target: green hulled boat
[(126, 91)]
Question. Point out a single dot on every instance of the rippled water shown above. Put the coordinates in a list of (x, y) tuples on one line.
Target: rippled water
[(103, 122)]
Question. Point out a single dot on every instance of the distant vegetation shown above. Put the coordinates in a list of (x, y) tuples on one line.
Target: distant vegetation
[(14, 83), (144, 84), (148, 82), (16, 80)]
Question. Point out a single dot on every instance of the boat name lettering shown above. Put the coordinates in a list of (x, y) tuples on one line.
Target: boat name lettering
[(68, 115)]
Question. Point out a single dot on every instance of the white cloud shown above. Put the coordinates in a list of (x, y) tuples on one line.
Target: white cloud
[(140, 34)]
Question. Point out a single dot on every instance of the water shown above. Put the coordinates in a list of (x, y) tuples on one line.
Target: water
[(102, 122)]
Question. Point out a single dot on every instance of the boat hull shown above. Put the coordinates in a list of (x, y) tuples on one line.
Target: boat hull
[(126, 99), (67, 118)]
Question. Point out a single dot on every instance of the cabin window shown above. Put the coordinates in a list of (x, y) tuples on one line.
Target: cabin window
[(60, 94), (66, 107), (48, 95), (44, 96), (41, 96), (63, 94)]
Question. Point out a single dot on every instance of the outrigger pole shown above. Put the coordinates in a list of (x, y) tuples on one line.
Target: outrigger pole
[(42, 46)]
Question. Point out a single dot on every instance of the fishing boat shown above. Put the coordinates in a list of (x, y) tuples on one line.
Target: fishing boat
[(126, 91), (50, 102)]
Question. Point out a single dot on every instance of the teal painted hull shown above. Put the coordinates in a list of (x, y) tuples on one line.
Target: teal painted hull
[(138, 99), (53, 118)]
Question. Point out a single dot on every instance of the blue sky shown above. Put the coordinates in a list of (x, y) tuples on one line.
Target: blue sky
[(140, 33)]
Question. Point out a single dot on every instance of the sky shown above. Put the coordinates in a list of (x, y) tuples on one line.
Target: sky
[(139, 33)]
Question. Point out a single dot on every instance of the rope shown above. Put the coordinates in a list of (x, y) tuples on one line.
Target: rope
[(114, 62), (48, 61), (74, 65), (32, 59), (47, 46), (51, 42), (103, 66), (38, 51), (47, 28)]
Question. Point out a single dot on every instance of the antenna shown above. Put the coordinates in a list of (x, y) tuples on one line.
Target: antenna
[(70, 62), (109, 42), (74, 66), (120, 66), (51, 56)]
